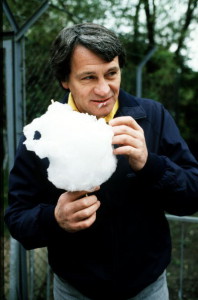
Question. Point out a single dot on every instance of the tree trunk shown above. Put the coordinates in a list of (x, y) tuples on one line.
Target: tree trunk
[(188, 18), (150, 21)]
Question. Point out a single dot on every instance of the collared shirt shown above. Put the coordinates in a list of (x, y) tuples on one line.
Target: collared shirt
[(107, 118)]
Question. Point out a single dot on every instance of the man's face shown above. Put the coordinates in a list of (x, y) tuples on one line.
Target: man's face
[(93, 82)]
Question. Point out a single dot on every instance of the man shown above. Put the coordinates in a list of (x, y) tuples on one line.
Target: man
[(113, 243)]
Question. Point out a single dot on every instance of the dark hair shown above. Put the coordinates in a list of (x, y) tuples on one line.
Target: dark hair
[(96, 38)]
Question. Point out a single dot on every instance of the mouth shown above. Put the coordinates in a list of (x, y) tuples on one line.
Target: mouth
[(102, 102)]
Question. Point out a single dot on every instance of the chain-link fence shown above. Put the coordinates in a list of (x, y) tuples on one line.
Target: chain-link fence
[(39, 276), (182, 273), (36, 87)]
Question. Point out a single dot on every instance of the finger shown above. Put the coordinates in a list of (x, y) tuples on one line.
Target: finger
[(96, 188), (134, 154), (87, 212), (123, 129), (124, 150), (128, 121), (84, 224), (72, 196), (127, 140), (85, 202)]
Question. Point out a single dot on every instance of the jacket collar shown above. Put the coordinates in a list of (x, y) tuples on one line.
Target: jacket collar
[(128, 105)]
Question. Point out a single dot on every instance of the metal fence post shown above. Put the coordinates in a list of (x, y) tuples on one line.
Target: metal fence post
[(139, 71), (180, 292), (14, 64)]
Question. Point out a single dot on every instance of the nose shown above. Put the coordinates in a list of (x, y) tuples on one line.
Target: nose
[(102, 88)]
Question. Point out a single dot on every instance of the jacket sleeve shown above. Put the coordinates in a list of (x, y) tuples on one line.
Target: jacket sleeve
[(32, 199), (172, 171)]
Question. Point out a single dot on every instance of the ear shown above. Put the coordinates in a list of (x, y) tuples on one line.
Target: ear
[(65, 84)]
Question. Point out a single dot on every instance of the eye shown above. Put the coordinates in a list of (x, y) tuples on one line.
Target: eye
[(88, 77), (112, 74)]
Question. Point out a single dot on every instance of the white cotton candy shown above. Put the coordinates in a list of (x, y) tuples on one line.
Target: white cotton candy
[(78, 146)]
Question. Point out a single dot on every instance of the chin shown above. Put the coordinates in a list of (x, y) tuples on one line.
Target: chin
[(103, 114)]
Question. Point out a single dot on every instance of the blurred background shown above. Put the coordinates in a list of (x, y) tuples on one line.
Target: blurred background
[(160, 38)]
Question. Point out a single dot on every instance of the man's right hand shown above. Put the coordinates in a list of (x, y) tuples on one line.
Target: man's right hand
[(76, 211)]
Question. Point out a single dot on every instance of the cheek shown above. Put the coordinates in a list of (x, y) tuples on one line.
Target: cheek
[(83, 93), (115, 88), (116, 84), (81, 96), (86, 92)]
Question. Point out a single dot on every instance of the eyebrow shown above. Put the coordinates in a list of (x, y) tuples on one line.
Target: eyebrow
[(88, 73)]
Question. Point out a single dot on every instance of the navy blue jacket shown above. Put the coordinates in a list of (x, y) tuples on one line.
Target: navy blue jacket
[(129, 244)]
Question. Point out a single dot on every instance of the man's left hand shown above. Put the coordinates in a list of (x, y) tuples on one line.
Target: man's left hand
[(130, 138)]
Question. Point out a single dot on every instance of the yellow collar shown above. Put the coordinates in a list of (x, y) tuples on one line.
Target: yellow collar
[(107, 118)]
